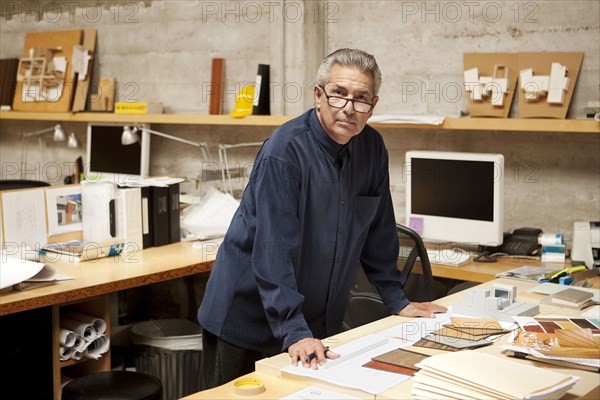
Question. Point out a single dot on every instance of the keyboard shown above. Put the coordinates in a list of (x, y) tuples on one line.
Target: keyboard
[(451, 257)]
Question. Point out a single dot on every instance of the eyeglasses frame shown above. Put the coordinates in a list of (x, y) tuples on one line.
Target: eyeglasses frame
[(327, 96)]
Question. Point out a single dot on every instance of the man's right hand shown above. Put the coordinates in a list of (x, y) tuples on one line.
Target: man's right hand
[(310, 352)]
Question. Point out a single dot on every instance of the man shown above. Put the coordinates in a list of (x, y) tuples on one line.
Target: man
[(316, 206)]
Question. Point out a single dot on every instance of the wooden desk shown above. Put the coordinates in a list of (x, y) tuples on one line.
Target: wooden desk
[(88, 293), (483, 272), (278, 384), (111, 274)]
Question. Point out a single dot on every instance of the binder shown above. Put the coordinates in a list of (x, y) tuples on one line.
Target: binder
[(174, 223), (216, 86), (98, 211), (147, 231), (262, 101), (129, 218), (159, 197)]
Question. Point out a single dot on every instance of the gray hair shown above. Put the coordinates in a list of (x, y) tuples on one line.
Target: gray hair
[(359, 59)]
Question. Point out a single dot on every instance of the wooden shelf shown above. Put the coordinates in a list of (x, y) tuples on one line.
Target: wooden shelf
[(468, 124), (251, 120)]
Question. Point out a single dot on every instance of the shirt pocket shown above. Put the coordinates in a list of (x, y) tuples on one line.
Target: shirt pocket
[(365, 208)]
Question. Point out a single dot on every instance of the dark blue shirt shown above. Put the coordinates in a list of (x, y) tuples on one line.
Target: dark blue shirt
[(312, 211)]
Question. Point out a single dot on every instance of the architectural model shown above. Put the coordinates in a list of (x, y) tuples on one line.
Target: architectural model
[(553, 86), (494, 87), (499, 302)]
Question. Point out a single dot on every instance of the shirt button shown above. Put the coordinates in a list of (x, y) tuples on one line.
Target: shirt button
[(343, 202)]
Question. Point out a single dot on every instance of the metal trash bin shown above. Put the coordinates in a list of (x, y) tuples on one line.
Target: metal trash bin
[(171, 350)]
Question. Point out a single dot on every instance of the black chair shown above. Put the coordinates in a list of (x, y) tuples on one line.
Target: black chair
[(7, 184), (365, 304)]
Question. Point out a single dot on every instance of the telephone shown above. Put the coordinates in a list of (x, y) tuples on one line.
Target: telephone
[(522, 242)]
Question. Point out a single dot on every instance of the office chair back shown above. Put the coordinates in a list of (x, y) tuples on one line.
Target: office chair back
[(7, 184), (364, 303)]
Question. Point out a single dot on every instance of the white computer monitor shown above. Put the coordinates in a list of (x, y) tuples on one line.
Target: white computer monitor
[(108, 159), (455, 197)]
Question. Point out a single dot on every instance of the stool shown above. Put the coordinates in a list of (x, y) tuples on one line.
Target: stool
[(114, 385)]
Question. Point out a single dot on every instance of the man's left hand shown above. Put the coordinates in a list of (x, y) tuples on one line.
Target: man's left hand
[(426, 310)]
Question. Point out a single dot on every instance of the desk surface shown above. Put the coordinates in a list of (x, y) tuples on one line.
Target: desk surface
[(111, 274), (483, 272), (278, 385), (172, 261)]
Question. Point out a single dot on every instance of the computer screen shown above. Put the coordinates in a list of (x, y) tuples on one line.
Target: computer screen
[(455, 197), (108, 159)]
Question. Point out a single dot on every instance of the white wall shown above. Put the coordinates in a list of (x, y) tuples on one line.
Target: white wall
[(162, 51)]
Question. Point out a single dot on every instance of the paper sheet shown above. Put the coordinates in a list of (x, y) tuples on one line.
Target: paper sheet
[(348, 370), (315, 393), (13, 270), (49, 274), (87, 326), (489, 373), (24, 218), (414, 330), (82, 335), (593, 312), (97, 347), (67, 338), (407, 119), (210, 218)]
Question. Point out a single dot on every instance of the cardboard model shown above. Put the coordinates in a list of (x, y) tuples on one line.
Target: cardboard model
[(52, 66), (490, 80), (547, 82)]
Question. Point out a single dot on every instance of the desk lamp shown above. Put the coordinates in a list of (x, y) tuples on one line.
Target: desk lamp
[(130, 136), (224, 162), (58, 136)]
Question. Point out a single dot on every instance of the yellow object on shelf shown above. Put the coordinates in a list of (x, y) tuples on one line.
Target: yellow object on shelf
[(138, 108)]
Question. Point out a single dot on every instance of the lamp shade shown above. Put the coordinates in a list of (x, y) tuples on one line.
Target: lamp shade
[(129, 136), (59, 133), (73, 142)]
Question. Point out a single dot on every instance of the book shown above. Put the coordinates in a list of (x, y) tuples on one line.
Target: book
[(78, 250), (147, 231), (174, 218), (8, 80), (572, 297), (129, 218), (159, 197)]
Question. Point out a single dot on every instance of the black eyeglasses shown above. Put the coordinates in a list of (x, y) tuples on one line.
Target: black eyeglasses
[(340, 102)]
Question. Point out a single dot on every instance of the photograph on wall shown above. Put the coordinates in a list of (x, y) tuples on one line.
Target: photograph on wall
[(64, 209)]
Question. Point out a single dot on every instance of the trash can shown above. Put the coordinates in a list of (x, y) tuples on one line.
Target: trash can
[(169, 349)]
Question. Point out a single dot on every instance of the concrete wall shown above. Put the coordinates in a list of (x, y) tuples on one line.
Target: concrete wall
[(162, 51)]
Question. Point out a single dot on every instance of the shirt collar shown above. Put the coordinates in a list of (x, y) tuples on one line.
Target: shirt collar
[(330, 147)]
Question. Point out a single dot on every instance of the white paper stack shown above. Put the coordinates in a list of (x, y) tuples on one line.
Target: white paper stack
[(475, 375)]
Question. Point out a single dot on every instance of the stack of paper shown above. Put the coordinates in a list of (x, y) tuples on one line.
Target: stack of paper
[(573, 298), (475, 375)]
